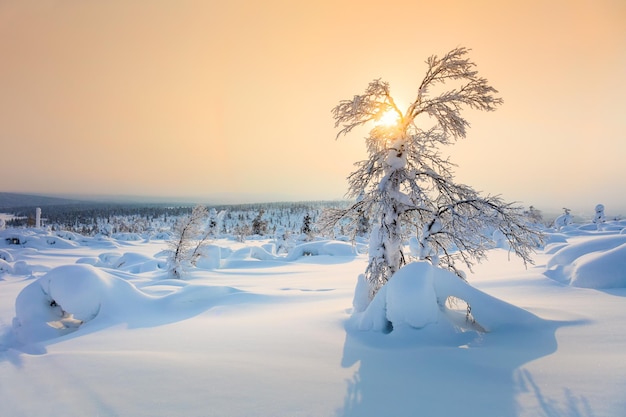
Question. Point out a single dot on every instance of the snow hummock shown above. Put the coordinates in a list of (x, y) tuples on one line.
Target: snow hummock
[(596, 262), (416, 296), (410, 297)]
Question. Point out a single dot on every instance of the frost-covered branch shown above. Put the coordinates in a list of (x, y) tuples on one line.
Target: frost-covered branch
[(364, 108), (474, 92)]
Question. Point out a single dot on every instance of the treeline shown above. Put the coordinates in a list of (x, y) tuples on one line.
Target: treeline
[(90, 219), (69, 215)]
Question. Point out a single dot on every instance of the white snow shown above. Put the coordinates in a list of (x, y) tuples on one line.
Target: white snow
[(93, 327), (593, 262)]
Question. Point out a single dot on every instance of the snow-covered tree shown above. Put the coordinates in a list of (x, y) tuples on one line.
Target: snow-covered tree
[(241, 231), (534, 215), (307, 227), (564, 219), (184, 245), (362, 221), (281, 240), (407, 186), (599, 217), (259, 226), (215, 223)]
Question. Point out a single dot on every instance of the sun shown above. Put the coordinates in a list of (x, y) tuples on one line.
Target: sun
[(388, 118)]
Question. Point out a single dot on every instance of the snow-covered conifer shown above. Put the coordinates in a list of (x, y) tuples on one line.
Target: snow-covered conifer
[(307, 227), (259, 226), (216, 221), (599, 216)]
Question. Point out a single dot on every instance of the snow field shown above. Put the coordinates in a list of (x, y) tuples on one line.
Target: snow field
[(265, 336)]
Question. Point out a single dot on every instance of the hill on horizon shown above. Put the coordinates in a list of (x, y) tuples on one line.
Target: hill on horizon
[(12, 200)]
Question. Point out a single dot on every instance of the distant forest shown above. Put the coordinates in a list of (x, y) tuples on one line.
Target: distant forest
[(90, 218), (68, 215)]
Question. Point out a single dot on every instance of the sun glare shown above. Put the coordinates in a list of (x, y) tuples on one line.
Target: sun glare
[(389, 118)]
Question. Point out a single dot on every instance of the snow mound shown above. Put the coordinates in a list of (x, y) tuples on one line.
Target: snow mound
[(553, 240), (70, 296), (35, 238), (66, 235), (24, 268), (265, 253), (136, 263), (5, 267), (59, 302), (411, 297), (330, 248), (109, 259), (131, 262), (601, 270), (211, 257), (127, 237), (6, 256), (598, 262), (417, 297), (252, 252), (21, 268)]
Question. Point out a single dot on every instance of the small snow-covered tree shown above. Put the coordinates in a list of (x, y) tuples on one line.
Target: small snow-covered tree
[(215, 222), (406, 186), (307, 227), (534, 215), (184, 246), (241, 230), (281, 240), (599, 216), (306, 224), (259, 226), (362, 221), (564, 219)]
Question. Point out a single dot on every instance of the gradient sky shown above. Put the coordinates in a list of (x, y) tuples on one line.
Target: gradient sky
[(230, 100)]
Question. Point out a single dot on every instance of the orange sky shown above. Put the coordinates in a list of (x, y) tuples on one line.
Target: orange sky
[(231, 100)]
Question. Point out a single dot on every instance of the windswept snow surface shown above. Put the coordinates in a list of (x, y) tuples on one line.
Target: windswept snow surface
[(93, 327)]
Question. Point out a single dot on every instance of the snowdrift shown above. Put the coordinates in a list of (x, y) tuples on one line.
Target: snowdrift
[(68, 297), (130, 262), (330, 248), (264, 253), (419, 296), (33, 238), (598, 262)]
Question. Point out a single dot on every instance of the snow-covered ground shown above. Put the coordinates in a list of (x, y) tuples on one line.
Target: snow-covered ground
[(262, 335)]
